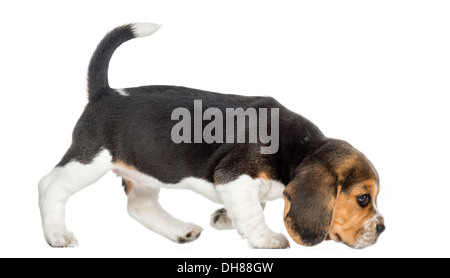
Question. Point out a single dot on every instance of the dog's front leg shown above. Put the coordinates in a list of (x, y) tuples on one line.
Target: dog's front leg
[(242, 202)]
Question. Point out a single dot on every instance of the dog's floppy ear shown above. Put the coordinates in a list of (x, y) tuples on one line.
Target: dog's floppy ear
[(309, 203)]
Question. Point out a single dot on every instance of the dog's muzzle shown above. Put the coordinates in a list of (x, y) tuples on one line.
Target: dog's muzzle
[(369, 234)]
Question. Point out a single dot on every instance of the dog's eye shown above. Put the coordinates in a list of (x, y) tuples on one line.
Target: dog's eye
[(363, 200)]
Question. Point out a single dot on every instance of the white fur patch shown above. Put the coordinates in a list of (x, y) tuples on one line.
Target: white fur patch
[(270, 190), (56, 188), (195, 184), (267, 189), (144, 207), (145, 29), (369, 233), (122, 92), (241, 198)]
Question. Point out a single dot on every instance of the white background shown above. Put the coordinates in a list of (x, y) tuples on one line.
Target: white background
[(374, 73)]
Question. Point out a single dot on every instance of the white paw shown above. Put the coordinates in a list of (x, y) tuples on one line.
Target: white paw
[(61, 239), (220, 220), (188, 233), (269, 241)]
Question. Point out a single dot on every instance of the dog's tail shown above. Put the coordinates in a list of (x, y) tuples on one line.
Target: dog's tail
[(98, 68)]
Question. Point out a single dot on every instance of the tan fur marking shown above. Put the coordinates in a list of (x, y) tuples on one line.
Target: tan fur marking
[(348, 217), (120, 163), (128, 186), (264, 176)]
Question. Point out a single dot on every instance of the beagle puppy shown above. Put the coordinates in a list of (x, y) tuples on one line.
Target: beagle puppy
[(330, 188)]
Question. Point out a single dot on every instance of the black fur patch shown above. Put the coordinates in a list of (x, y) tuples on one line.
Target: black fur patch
[(218, 214), (98, 68), (136, 129)]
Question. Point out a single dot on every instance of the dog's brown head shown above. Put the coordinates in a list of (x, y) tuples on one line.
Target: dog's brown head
[(334, 196)]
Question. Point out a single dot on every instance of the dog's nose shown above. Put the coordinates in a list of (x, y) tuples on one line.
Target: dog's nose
[(380, 228)]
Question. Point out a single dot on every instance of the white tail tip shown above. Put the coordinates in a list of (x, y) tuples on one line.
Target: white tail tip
[(145, 29)]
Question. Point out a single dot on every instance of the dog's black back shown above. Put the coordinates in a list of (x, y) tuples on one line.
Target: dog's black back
[(137, 128)]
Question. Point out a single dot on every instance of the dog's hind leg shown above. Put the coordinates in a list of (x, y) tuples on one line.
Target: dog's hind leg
[(144, 207), (56, 188)]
